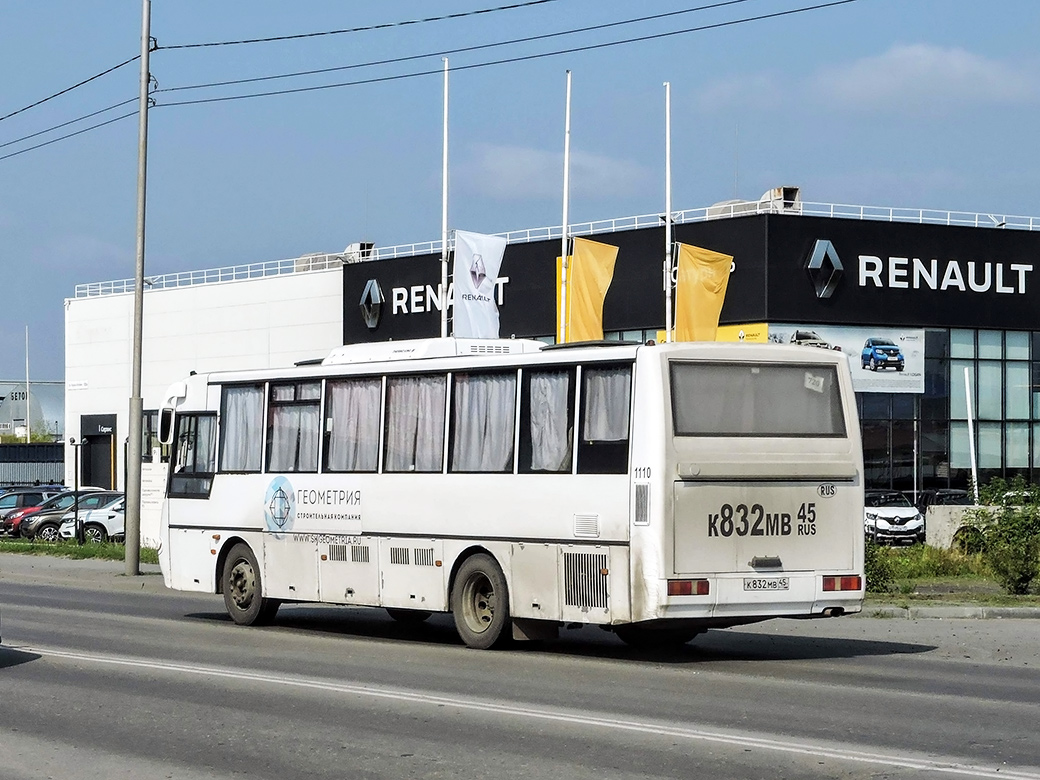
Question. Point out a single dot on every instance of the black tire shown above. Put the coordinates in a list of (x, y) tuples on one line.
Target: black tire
[(243, 589), (873, 364), (899, 368), (408, 615), (480, 603), (95, 534), (48, 532), (654, 638)]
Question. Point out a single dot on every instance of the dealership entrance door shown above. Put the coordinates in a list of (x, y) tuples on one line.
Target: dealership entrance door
[(98, 451)]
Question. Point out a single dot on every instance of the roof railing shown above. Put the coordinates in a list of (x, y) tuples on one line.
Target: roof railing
[(323, 261)]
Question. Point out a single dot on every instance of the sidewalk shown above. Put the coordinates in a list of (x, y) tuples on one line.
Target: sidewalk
[(90, 572), (950, 612)]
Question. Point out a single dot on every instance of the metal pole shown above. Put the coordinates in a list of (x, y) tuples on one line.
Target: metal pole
[(28, 417), (444, 212), (971, 435), (75, 492), (564, 319), (667, 212), (132, 557)]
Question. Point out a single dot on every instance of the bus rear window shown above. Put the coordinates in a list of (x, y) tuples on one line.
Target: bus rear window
[(756, 399)]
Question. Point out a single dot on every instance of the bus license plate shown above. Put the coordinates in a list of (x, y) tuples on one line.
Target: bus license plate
[(766, 583)]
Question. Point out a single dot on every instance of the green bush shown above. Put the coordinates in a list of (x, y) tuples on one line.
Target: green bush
[(877, 568), (1009, 523), (920, 561)]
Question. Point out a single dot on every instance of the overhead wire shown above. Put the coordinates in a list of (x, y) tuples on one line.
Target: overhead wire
[(509, 60), (69, 89), (398, 77), (381, 26), (460, 50)]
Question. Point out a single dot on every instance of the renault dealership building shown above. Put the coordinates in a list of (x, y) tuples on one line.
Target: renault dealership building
[(936, 311)]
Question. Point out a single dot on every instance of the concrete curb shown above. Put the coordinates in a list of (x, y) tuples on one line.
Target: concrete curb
[(958, 612)]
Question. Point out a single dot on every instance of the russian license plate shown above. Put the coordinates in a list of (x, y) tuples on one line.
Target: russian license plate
[(766, 583)]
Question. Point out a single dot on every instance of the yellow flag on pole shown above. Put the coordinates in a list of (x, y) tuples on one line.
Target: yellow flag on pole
[(700, 291), (589, 273)]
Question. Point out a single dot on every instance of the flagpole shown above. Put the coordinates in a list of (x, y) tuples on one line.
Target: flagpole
[(566, 215), (667, 212), (444, 212)]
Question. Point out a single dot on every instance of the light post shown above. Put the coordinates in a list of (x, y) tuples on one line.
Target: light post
[(75, 489)]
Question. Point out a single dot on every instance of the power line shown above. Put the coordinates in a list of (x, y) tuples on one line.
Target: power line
[(509, 60), (383, 26), (465, 49), (66, 124), (70, 135), (69, 89)]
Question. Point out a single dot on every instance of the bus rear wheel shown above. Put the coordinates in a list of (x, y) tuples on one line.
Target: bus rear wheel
[(480, 603), (243, 589)]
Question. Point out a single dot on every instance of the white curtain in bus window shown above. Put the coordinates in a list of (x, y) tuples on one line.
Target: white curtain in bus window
[(414, 423), (549, 397), (738, 399), (352, 425), (241, 428), (293, 445), (484, 410), (606, 393)]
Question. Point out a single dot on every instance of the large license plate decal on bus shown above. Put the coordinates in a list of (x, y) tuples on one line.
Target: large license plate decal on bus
[(766, 583)]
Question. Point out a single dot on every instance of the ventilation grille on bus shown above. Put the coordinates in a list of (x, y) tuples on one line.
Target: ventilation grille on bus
[(586, 525), (348, 552), (585, 580), (424, 556), (642, 504), (489, 349), (399, 555)]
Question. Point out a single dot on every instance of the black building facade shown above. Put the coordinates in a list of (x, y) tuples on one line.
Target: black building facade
[(967, 298)]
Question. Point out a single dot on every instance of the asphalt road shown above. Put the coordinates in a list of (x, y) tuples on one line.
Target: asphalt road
[(104, 676)]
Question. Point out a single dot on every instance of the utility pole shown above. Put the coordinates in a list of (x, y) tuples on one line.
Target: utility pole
[(133, 453)]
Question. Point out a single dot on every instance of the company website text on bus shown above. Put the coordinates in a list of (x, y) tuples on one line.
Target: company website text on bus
[(656, 490)]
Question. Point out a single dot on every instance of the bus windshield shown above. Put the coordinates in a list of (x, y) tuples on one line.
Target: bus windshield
[(756, 399)]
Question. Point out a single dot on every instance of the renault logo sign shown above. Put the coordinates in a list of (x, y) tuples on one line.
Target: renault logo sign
[(372, 304), (825, 268)]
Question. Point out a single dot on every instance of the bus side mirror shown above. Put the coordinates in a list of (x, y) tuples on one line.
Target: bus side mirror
[(166, 426)]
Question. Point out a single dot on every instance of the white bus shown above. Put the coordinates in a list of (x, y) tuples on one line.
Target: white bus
[(655, 490)]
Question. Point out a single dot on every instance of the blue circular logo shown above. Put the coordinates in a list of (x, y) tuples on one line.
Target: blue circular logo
[(280, 505)]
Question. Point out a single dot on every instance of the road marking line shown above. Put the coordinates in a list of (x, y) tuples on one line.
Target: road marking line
[(561, 716)]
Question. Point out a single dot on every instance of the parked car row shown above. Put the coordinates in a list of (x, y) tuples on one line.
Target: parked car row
[(52, 510)]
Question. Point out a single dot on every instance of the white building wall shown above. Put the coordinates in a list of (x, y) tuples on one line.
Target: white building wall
[(253, 323)]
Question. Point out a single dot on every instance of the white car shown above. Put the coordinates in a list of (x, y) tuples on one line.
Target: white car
[(888, 516), (99, 525)]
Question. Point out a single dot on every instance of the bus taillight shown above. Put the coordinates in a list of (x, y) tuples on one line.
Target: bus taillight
[(853, 582), (688, 588)]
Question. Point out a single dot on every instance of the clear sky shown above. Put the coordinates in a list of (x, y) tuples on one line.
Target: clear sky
[(910, 103)]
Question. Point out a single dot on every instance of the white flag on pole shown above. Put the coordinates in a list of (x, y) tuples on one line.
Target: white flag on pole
[(478, 258)]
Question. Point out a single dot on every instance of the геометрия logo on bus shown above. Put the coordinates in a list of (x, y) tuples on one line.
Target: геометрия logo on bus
[(280, 505)]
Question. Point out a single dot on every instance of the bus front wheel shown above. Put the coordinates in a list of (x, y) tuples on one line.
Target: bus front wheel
[(243, 589), (480, 603)]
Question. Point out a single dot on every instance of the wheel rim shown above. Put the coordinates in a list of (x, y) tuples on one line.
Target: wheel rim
[(478, 603), (242, 584), (48, 533), (93, 535)]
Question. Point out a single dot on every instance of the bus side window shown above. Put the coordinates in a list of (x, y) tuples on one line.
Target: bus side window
[(352, 409), (293, 425), (606, 396), (547, 421), (241, 428), (482, 422), (194, 455), (414, 423)]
